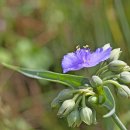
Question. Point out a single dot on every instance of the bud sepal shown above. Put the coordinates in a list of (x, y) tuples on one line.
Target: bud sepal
[(74, 119), (124, 91), (115, 54), (96, 81), (124, 77), (117, 66)]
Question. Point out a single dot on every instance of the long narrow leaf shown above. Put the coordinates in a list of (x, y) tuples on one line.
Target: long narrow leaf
[(109, 103), (67, 79)]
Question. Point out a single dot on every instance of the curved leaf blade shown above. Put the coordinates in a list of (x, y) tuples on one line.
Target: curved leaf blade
[(109, 102), (66, 79)]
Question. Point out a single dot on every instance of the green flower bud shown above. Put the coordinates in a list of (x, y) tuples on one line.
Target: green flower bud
[(94, 120), (93, 99), (55, 103), (66, 107), (101, 99), (125, 77), (115, 54), (126, 68), (117, 66), (65, 94), (86, 115), (96, 81), (124, 91), (74, 118)]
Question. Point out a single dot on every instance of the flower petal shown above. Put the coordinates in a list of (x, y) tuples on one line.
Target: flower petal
[(106, 46), (85, 58), (98, 56), (73, 61)]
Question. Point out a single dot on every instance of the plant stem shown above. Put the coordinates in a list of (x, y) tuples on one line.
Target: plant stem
[(110, 77), (78, 101), (76, 96), (101, 70), (112, 82), (118, 122), (83, 101)]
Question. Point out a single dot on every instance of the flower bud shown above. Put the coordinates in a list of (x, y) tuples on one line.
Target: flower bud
[(65, 94), (101, 99), (94, 120), (125, 77), (126, 68), (86, 115), (93, 99), (106, 46), (124, 91), (115, 54), (96, 81), (74, 118), (116, 66), (66, 107), (55, 103)]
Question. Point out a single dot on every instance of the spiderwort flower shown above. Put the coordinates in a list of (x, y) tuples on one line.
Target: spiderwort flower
[(85, 58)]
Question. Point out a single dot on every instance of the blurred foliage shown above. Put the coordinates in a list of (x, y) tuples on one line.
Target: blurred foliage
[(36, 34)]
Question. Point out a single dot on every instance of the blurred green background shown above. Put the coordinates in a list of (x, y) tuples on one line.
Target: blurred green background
[(36, 34)]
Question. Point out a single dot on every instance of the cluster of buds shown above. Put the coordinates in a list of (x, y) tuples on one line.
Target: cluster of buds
[(116, 72), (121, 75), (76, 106)]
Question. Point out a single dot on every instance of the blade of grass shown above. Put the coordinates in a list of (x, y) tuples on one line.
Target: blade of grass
[(67, 79)]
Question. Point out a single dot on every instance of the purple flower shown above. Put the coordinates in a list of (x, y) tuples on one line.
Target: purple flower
[(85, 58)]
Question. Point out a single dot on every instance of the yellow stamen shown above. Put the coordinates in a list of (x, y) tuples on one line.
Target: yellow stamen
[(78, 47), (86, 46)]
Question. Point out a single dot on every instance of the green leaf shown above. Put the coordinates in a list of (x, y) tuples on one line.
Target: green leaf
[(109, 102), (67, 79)]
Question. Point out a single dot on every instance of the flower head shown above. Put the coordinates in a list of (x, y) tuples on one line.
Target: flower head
[(85, 58), (86, 115), (66, 107), (74, 118), (117, 66), (124, 91), (115, 54)]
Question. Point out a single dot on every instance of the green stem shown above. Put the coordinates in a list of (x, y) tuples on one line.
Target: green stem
[(112, 82), (103, 64), (89, 94), (83, 101), (80, 91), (76, 96), (101, 70), (104, 71), (118, 122), (110, 77), (78, 101)]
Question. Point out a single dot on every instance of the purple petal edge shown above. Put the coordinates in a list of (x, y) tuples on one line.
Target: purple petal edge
[(85, 58)]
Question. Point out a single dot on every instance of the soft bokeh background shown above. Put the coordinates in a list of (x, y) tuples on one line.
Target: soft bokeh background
[(36, 34)]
